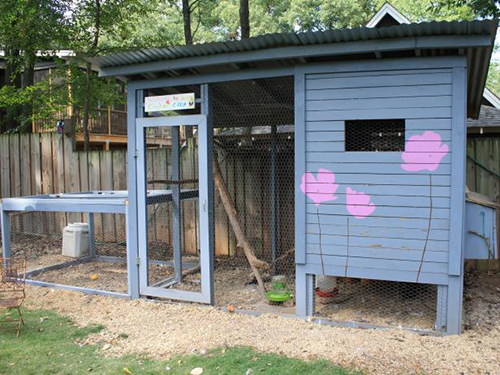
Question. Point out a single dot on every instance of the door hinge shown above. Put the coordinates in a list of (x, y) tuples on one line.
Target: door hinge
[(138, 261), (136, 153)]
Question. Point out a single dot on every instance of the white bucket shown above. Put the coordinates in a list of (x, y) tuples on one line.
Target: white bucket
[(76, 240)]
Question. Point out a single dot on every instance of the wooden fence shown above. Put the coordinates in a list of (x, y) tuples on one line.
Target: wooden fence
[(45, 163)]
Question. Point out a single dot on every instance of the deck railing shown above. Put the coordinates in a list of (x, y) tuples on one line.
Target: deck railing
[(102, 121)]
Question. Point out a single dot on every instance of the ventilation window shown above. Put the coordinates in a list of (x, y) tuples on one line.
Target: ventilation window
[(375, 135)]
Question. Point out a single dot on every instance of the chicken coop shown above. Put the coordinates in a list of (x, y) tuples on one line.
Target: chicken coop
[(332, 162)]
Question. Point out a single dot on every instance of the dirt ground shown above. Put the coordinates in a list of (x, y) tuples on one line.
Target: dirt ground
[(162, 329)]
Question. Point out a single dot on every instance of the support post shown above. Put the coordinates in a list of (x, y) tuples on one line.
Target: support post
[(206, 139), (274, 206), (176, 205), (132, 267), (304, 293), (91, 234), (454, 305), (5, 223), (134, 107), (441, 307)]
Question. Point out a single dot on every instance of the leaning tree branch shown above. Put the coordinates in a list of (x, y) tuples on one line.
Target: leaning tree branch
[(255, 263)]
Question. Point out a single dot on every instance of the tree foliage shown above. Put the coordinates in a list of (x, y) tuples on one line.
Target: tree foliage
[(92, 27)]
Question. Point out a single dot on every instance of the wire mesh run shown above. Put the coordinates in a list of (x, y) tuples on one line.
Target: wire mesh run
[(378, 302), (254, 151), (72, 249)]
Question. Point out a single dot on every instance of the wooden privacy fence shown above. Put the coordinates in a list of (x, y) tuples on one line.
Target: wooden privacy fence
[(45, 163)]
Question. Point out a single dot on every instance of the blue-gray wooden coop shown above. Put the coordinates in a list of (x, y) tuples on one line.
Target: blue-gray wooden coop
[(378, 119)]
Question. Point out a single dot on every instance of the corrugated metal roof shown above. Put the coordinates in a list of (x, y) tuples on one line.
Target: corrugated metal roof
[(267, 41), (478, 56)]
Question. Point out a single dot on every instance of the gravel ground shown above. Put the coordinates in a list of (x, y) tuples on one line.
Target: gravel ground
[(163, 329)]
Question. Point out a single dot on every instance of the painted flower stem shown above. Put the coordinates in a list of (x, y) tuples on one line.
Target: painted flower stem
[(428, 229), (320, 244)]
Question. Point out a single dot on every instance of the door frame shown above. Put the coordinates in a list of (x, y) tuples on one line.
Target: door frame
[(205, 220)]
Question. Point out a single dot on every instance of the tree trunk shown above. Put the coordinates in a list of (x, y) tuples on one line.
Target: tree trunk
[(28, 79), (244, 19), (12, 78), (186, 16), (255, 263)]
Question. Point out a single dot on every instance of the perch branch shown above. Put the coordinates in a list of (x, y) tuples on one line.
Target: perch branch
[(255, 263)]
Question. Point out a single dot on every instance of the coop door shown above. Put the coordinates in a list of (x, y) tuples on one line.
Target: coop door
[(173, 217)]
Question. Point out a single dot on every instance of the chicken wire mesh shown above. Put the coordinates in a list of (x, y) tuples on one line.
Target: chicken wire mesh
[(379, 302), (254, 151), (162, 217), (72, 249), (375, 135)]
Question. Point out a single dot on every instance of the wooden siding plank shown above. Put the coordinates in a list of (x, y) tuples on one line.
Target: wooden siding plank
[(58, 173), (413, 212), (376, 92), (378, 253), (15, 167), (389, 243), (71, 176), (396, 190), (106, 175), (337, 133), (395, 201), (392, 179), (380, 81), (365, 168), (374, 221), (5, 166), (416, 125), (379, 232), (375, 263), (361, 157), (36, 165), (25, 164), (376, 103), (375, 73), (120, 183), (364, 114)]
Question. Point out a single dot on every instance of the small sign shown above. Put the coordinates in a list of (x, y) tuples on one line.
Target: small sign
[(174, 102)]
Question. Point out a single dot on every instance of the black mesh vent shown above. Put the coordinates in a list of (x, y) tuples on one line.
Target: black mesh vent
[(375, 135)]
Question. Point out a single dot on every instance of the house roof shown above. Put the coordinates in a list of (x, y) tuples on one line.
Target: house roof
[(489, 117), (387, 15), (491, 98)]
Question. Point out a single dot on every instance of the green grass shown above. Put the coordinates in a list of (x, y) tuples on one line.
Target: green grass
[(49, 345)]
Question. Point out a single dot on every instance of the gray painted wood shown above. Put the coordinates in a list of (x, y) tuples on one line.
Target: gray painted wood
[(5, 228), (300, 169), (399, 228)]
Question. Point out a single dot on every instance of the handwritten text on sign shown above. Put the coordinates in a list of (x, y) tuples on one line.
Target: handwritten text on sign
[(169, 102)]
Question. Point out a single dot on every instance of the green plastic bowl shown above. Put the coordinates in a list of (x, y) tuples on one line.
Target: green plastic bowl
[(279, 297)]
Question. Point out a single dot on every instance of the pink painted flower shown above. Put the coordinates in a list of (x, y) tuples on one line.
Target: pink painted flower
[(358, 204), (320, 189), (424, 152)]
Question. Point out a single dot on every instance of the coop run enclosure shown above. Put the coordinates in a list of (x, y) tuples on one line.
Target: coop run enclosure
[(333, 159)]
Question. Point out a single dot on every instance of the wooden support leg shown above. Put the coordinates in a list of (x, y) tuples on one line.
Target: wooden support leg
[(5, 225)]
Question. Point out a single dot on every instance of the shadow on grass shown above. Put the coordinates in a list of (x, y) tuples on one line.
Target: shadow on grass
[(49, 345)]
